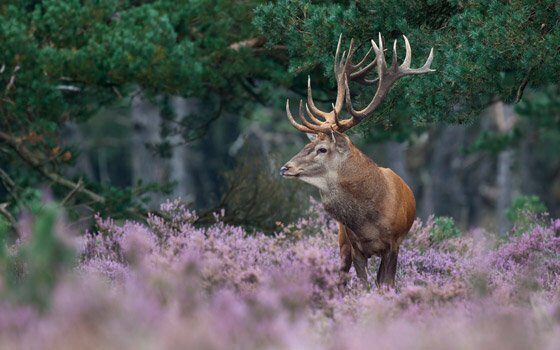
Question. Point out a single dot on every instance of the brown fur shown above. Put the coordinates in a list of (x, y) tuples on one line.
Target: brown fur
[(373, 206)]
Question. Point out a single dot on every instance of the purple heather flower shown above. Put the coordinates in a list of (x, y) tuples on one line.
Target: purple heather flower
[(170, 284)]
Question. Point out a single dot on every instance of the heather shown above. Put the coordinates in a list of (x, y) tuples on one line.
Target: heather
[(169, 283)]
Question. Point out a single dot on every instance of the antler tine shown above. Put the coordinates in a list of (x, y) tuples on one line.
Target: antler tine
[(319, 127), (381, 64), (408, 56), (340, 66), (311, 116), (359, 76), (304, 120), (424, 69), (295, 124), (356, 117), (348, 61), (339, 72), (405, 69), (394, 63), (336, 120), (311, 103), (314, 113), (386, 78), (366, 56), (429, 61), (337, 50)]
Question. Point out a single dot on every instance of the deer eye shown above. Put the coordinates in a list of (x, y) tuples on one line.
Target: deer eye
[(322, 150)]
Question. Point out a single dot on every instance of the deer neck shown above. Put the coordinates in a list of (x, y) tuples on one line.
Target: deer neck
[(353, 180)]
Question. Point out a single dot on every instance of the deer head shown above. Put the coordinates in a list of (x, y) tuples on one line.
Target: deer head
[(320, 160)]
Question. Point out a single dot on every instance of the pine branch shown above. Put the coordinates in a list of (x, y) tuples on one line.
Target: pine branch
[(32, 160), (75, 188)]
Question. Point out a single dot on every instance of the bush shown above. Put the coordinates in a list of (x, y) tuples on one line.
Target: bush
[(443, 229), (525, 211), (30, 268), (257, 197)]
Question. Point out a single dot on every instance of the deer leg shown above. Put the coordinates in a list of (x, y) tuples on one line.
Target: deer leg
[(359, 260), (387, 268), (345, 253), (345, 249), (380, 271), (360, 265)]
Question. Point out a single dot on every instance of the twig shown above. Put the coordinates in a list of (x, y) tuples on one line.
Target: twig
[(6, 179), (5, 213), (68, 88), (71, 194), (117, 92), (248, 43), (521, 88), (12, 80), (9, 184)]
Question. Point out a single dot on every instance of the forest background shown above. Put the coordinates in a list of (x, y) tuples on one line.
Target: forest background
[(115, 106)]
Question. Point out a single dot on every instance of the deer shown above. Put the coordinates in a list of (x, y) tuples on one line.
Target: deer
[(373, 206)]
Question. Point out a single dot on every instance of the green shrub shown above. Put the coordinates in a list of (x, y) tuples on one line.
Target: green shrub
[(444, 228), (29, 271), (525, 211)]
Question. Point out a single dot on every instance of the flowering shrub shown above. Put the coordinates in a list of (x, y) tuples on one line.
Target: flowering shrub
[(171, 284), (444, 228)]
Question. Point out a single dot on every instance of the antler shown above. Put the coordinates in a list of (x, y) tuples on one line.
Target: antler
[(344, 70), (386, 78), (322, 121)]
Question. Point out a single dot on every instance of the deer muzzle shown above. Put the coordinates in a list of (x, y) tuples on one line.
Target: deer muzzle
[(288, 170)]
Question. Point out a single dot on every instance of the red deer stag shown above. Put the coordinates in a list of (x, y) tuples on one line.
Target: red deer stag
[(374, 207)]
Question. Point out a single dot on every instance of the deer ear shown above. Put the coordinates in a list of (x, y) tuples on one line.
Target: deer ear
[(340, 140), (311, 136)]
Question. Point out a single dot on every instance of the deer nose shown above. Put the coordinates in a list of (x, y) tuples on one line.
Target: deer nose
[(284, 169)]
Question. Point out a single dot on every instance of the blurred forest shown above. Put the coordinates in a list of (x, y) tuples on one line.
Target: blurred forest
[(115, 105)]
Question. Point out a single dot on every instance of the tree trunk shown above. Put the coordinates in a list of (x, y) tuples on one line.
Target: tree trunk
[(395, 152), (505, 120), (73, 137), (147, 166), (446, 173), (181, 162)]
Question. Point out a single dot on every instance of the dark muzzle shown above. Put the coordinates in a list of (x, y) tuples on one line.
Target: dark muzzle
[(284, 169)]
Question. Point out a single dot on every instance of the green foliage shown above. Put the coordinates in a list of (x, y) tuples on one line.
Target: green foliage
[(64, 61), (494, 142), (540, 116), (30, 271), (67, 60), (444, 228), (543, 109), (481, 50), (524, 212)]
